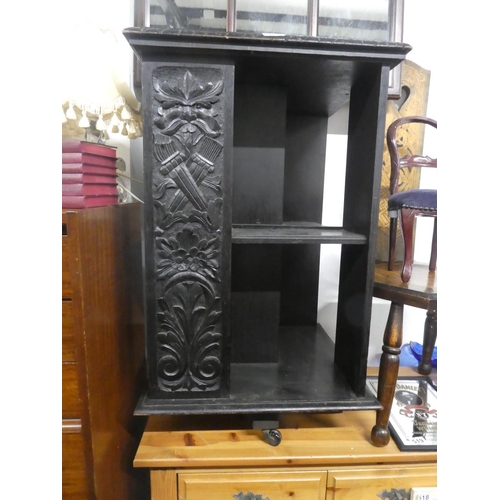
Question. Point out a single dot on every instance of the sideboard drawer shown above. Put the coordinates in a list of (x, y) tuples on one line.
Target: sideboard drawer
[(67, 290), (71, 406), (74, 479), (68, 335), (298, 485), (368, 483)]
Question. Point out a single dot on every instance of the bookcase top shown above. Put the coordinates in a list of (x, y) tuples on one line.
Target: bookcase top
[(318, 72)]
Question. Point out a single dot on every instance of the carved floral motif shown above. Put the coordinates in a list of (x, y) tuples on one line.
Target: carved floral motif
[(186, 251), (187, 197)]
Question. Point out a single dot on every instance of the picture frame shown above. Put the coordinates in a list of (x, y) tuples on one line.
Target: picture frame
[(396, 19), (414, 414), (396, 16)]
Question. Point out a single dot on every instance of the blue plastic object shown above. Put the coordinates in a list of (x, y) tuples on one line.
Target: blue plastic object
[(411, 355), (407, 356), (417, 351)]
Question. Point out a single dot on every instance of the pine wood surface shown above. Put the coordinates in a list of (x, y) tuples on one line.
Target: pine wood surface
[(307, 483), (308, 440), (301, 485), (368, 483), (320, 439), (163, 484)]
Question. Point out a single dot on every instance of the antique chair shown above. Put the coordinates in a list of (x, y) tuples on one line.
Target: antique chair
[(407, 204)]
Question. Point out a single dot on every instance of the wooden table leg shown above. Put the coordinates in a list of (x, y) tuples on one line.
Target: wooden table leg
[(388, 373), (430, 335)]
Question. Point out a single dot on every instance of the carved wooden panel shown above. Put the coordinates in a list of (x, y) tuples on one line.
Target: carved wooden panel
[(415, 82), (190, 233)]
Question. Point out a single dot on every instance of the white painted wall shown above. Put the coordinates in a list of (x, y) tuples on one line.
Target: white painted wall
[(113, 15)]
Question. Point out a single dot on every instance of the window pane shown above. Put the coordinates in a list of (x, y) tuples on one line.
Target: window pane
[(198, 15), (343, 19), (272, 16), (354, 19)]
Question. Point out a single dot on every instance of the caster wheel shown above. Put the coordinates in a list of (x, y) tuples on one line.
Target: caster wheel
[(272, 436)]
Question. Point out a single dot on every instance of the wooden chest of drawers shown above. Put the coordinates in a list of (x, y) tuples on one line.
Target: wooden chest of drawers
[(321, 456), (102, 352)]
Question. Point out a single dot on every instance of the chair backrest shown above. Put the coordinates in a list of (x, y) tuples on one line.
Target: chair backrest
[(398, 162)]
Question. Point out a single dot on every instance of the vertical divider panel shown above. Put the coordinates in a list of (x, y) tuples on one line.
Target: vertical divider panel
[(362, 190), (302, 202), (188, 115)]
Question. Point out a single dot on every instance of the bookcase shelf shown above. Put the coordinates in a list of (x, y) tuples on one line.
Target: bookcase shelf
[(235, 132), (304, 379), (293, 233)]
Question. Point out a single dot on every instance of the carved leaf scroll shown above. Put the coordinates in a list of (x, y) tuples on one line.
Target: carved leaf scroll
[(187, 196)]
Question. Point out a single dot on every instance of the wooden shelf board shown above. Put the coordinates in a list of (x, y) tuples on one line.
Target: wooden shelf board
[(294, 233), (305, 379)]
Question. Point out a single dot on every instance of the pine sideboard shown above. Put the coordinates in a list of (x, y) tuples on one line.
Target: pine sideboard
[(322, 456)]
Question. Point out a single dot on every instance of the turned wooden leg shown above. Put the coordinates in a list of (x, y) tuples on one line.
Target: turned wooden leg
[(407, 223), (393, 229), (388, 373), (432, 262), (430, 335)]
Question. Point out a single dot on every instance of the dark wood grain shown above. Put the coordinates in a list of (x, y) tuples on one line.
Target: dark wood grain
[(389, 367), (71, 405), (67, 289), (74, 478), (68, 337), (104, 258), (417, 292)]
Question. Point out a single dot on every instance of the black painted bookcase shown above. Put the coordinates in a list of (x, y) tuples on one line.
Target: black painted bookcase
[(235, 131)]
